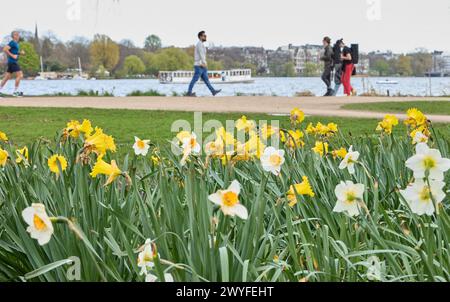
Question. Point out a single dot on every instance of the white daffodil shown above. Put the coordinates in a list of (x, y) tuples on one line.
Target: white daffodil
[(349, 161), (39, 225), (374, 269), (272, 160), (348, 195), (190, 146), (147, 256), (228, 200), (140, 146), (153, 278), (420, 196), (428, 160), (419, 138)]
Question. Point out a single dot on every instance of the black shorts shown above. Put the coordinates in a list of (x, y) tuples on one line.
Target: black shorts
[(13, 67)]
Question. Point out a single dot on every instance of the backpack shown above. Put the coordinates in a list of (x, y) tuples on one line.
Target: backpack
[(336, 53), (355, 53)]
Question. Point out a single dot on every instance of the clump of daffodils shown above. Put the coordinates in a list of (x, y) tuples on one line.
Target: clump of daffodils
[(324, 131), (303, 188), (418, 125), (75, 129), (228, 200), (292, 139), (387, 124), (426, 193)]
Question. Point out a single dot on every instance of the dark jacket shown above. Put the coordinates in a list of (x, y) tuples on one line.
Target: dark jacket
[(327, 57)]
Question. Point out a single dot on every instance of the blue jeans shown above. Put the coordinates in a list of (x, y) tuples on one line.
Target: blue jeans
[(200, 72)]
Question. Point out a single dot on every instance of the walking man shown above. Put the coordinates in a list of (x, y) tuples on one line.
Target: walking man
[(12, 51), (201, 66), (337, 51), (327, 59)]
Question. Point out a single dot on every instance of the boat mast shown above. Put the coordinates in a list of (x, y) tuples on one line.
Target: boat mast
[(79, 66), (42, 65)]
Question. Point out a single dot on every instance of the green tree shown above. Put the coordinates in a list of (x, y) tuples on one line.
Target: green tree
[(215, 65), (289, 69), (133, 65), (167, 59), (30, 61), (421, 63), (104, 52), (152, 43), (403, 66), (382, 67), (310, 69)]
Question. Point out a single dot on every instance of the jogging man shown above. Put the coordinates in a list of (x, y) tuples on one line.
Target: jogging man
[(12, 50), (201, 66), (327, 59)]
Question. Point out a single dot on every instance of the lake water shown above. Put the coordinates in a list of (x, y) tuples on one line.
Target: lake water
[(261, 86)]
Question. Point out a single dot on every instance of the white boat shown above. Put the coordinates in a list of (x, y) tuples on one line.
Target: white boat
[(387, 82), (215, 76), (80, 76)]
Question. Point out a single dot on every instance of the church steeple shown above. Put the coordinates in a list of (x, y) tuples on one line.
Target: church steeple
[(37, 43)]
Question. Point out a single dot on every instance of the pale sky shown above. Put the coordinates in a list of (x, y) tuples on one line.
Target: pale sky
[(399, 25)]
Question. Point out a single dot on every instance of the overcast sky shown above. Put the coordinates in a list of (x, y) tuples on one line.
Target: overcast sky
[(399, 25)]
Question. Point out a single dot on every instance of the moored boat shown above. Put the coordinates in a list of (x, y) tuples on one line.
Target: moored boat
[(215, 76)]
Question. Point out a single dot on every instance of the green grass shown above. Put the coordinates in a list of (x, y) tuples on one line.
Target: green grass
[(428, 107), (25, 125), (150, 92)]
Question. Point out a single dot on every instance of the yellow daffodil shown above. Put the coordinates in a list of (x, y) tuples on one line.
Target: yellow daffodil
[(110, 170), (303, 188), (99, 142), (322, 130), (227, 137), (297, 116), (55, 162), (215, 148), (255, 146), (74, 128), (3, 157), (387, 124), (243, 124), (182, 135), (21, 154), (3, 137), (39, 224), (415, 118), (267, 131), (340, 153), (292, 139), (321, 148), (228, 200)]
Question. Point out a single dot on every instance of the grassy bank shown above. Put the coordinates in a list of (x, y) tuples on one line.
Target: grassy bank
[(430, 107)]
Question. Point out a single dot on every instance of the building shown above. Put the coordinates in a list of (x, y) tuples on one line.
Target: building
[(441, 64)]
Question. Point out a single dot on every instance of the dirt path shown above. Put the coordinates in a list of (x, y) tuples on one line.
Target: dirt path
[(317, 106)]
